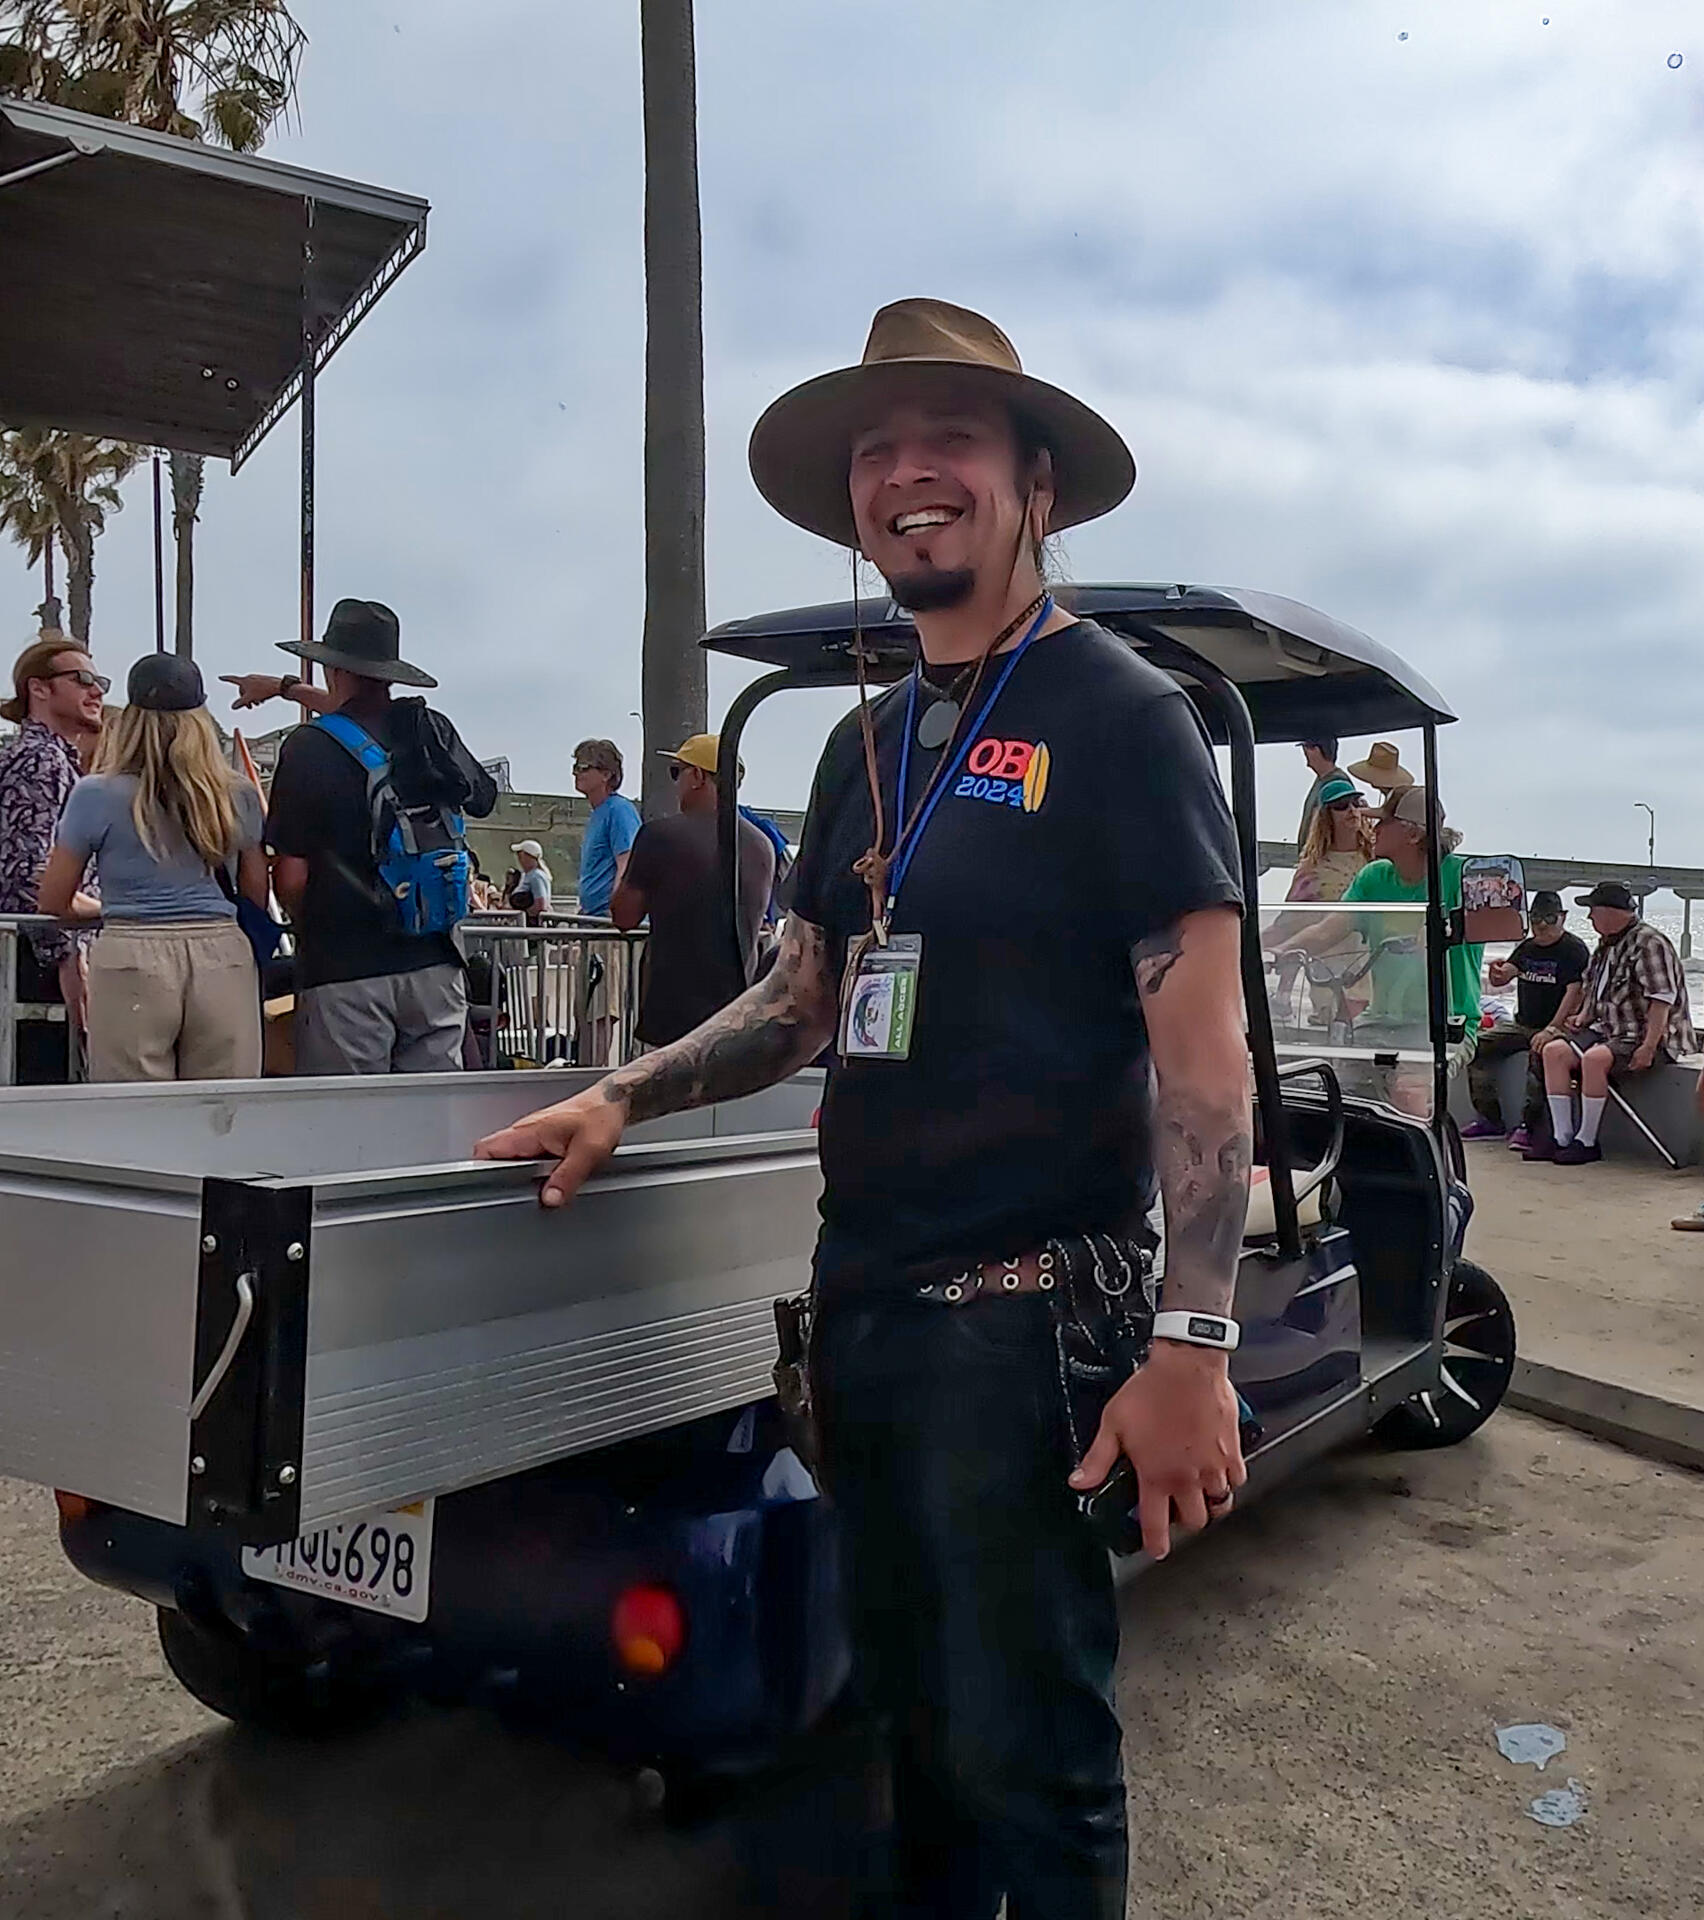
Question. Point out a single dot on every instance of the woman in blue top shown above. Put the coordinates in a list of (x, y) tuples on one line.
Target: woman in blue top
[(173, 993)]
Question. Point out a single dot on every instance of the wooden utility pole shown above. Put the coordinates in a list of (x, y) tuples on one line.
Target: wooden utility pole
[(673, 679)]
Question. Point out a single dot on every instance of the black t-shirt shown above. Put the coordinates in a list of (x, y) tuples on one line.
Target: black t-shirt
[(318, 811), (1546, 974), (690, 970), (1088, 816)]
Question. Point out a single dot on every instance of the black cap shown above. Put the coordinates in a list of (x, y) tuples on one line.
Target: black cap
[(1548, 906), (165, 683), (1611, 893)]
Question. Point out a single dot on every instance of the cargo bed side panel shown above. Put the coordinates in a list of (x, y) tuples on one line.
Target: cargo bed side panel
[(97, 1339), (449, 1344)]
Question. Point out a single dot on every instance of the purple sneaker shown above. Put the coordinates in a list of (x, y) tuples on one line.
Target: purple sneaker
[(1540, 1149), (1576, 1155), (1479, 1128), (1519, 1140)]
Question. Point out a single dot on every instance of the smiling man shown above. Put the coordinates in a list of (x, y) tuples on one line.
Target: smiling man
[(1020, 883)]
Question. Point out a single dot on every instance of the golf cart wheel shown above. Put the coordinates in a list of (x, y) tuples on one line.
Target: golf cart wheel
[(1478, 1360), (257, 1690)]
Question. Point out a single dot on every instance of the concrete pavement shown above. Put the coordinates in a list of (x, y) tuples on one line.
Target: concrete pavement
[(1310, 1697)]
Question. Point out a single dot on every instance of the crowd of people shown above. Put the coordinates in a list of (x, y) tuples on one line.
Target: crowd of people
[(164, 867)]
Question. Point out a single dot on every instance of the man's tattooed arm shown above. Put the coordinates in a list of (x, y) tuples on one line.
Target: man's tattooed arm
[(774, 1028), (1188, 978)]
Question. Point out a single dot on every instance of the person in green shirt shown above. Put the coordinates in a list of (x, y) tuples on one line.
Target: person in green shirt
[(1397, 872)]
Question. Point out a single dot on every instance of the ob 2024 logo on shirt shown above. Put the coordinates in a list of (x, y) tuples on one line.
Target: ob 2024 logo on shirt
[(1006, 773)]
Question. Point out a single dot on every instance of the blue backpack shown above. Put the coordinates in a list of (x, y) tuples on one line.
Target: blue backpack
[(420, 852)]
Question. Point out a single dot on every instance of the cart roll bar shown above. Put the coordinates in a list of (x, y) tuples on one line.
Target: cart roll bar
[(1438, 956), (1268, 1093), (746, 703)]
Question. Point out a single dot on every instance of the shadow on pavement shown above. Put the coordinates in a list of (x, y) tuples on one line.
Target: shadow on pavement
[(439, 1816)]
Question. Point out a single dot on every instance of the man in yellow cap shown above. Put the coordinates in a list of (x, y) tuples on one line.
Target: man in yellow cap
[(1017, 906), (691, 968)]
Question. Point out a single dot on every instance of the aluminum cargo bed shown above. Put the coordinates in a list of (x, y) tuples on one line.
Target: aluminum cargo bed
[(418, 1322)]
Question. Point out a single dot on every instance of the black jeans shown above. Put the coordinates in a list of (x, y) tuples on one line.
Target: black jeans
[(982, 1611)]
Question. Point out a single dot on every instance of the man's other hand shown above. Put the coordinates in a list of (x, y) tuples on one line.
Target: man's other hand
[(580, 1134), (1175, 1421), (1644, 1058)]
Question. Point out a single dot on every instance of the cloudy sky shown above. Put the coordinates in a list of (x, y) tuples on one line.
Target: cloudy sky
[(1403, 327)]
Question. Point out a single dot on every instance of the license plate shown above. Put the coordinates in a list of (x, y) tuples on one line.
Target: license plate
[(382, 1562)]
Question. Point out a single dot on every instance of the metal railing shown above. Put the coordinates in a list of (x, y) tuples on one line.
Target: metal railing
[(565, 992), (15, 1013)]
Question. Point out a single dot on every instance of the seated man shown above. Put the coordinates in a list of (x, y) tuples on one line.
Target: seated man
[(1549, 968), (1633, 1014)]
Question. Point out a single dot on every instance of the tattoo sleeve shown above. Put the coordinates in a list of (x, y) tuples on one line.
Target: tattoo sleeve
[(770, 1031), (1188, 983)]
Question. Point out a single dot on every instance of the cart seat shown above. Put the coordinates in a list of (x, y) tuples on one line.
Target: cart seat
[(1262, 1220)]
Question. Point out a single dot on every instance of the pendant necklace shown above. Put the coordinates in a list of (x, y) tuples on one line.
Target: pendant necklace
[(940, 720)]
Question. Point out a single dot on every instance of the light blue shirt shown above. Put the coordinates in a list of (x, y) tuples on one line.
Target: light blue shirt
[(135, 885), (611, 831)]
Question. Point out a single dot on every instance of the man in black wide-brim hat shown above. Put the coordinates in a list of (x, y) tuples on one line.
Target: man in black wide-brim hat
[(373, 995), (1017, 894)]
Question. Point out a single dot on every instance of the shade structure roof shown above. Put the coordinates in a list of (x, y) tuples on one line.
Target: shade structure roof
[(1301, 672), (158, 290)]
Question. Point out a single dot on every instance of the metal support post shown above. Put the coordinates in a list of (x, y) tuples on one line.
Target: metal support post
[(309, 331), (159, 566), (8, 1006)]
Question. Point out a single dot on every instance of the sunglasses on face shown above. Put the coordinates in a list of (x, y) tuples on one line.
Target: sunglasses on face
[(676, 769), (1342, 806), (82, 676)]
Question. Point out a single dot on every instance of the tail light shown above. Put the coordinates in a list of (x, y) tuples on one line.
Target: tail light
[(648, 1626), (72, 1506)]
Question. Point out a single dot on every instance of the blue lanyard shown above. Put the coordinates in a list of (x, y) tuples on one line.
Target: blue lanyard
[(902, 854)]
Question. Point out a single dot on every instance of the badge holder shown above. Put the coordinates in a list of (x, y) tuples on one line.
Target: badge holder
[(878, 997)]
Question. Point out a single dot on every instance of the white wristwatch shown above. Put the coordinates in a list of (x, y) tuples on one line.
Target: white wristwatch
[(1198, 1330)]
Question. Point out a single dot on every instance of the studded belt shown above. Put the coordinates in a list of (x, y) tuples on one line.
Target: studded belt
[(994, 1280)]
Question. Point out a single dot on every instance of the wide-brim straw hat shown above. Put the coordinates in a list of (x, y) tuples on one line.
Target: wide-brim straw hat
[(802, 446), (1382, 768)]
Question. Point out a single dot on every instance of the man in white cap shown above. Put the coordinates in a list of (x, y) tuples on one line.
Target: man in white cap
[(531, 893), (1054, 910)]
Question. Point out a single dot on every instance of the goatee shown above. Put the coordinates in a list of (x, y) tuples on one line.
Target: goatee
[(932, 589)]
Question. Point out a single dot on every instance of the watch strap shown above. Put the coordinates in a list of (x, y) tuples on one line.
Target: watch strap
[(1198, 1330)]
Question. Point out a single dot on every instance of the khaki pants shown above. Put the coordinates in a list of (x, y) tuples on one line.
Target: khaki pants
[(173, 1002)]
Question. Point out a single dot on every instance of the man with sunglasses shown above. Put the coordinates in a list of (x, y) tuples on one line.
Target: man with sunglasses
[(57, 703), (691, 968)]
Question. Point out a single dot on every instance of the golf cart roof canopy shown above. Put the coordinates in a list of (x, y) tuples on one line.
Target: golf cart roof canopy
[(159, 290), (1300, 672)]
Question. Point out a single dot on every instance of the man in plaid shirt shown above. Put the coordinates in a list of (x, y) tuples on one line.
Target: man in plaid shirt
[(1633, 1015)]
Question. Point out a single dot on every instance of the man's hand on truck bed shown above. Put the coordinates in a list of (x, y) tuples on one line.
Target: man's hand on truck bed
[(779, 1024), (580, 1134)]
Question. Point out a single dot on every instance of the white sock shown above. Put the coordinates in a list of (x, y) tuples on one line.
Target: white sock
[(1591, 1113), (1562, 1118)]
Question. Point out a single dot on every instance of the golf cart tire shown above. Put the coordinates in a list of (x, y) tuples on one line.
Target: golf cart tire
[(258, 1690), (1478, 1361)]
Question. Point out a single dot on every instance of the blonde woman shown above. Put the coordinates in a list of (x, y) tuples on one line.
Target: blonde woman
[(1338, 846), (172, 988)]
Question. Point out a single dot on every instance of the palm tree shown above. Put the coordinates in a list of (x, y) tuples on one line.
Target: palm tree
[(62, 486), (675, 692), (148, 61)]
